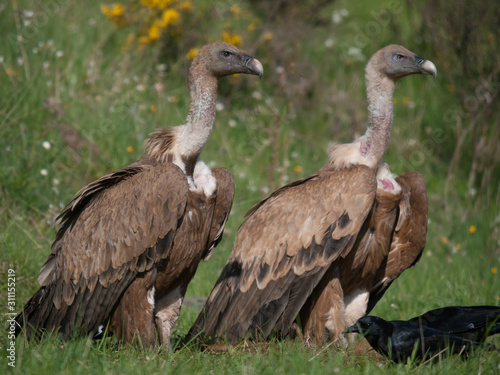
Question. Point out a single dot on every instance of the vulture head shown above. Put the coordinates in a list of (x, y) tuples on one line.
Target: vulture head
[(396, 62), (222, 59)]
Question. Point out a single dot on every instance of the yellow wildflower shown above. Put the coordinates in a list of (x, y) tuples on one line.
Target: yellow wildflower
[(185, 6), (116, 9), (11, 72), (115, 12), (144, 39), (235, 9), (127, 46), (472, 229), (268, 36), (169, 17), (298, 169), (130, 149), (494, 270), (152, 108), (157, 4), (394, 101), (192, 53), (231, 39), (173, 99), (154, 32), (406, 100), (251, 27), (444, 240), (459, 246)]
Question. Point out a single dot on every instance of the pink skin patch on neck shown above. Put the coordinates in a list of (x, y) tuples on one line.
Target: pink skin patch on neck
[(387, 185), (364, 147)]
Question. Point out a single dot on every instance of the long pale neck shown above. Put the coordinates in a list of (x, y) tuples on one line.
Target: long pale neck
[(380, 91), (201, 116)]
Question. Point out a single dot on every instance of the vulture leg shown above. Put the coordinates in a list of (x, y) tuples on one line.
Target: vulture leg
[(168, 309), (350, 279), (134, 316), (315, 317)]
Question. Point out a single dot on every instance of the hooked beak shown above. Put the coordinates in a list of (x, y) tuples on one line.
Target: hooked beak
[(352, 329), (253, 65), (426, 66)]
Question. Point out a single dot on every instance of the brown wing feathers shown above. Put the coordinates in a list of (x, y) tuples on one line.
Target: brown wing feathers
[(84, 286), (224, 202), (409, 238), (276, 262)]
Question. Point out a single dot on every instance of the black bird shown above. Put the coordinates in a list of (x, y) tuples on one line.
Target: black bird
[(474, 323), (399, 339)]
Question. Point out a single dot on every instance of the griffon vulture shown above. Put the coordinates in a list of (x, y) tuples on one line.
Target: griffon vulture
[(291, 243), (129, 244)]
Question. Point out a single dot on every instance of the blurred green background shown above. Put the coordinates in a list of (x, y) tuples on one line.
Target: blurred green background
[(83, 84)]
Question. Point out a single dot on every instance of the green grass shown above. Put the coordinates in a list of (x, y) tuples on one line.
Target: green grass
[(105, 95)]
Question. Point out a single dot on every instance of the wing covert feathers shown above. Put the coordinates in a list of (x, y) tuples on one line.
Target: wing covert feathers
[(283, 249), (118, 227)]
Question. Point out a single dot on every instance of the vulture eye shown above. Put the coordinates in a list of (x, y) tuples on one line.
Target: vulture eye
[(226, 53), (399, 57)]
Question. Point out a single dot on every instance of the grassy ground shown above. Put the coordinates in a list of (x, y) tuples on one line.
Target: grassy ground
[(74, 106)]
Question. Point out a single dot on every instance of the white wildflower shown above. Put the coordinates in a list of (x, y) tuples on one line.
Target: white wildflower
[(46, 145), (356, 53), (232, 123), (257, 95), (219, 106), (55, 181), (44, 172), (329, 43), (336, 18), (158, 87), (59, 53)]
